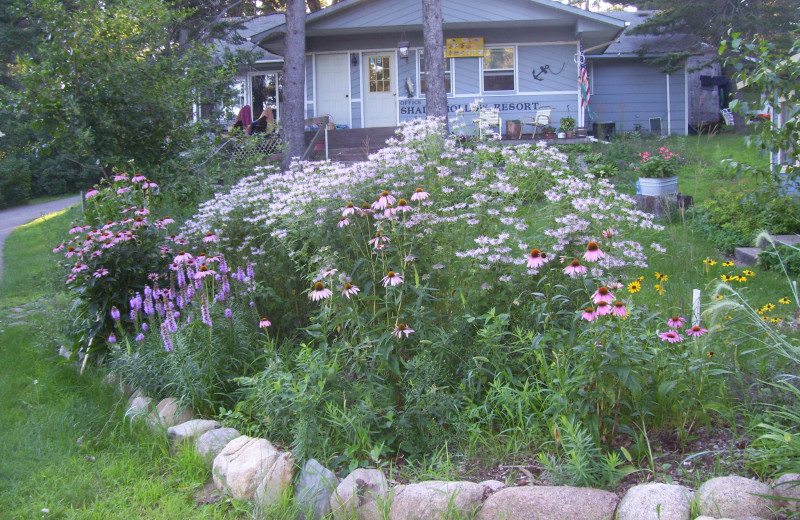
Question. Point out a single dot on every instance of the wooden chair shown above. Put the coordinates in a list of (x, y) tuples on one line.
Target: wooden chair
[(488, 119), (540, 119)]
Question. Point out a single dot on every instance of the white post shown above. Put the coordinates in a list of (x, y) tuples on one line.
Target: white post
[(669, 109), (696, 308)]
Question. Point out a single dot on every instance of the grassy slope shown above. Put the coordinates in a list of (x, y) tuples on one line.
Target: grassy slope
[(116, 472)]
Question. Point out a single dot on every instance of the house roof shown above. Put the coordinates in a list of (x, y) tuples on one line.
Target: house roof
[(239, 39), (350, 17), (637, 45)]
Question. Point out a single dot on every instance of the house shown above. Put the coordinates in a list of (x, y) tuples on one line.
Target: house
[(365, 64)]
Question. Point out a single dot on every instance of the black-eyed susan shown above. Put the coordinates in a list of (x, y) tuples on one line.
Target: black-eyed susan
[(784, 301), (710, 262), (741, 278), (748, 272), (775, 320), (718, 297), (640, 279), (661, 277), (710, 354), (729, 263), (660, 288), (769, 306), (635, 286), (726, 278), (728, 317)]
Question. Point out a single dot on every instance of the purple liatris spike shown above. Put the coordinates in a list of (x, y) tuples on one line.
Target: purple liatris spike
[(239, 274), (132, 314), (250, 273), (204, 309), (165, 337), (148, 304), (226, 285), (112, 338), (139, 337), (145, 327), (223, 265), (189, 292), (228, 313), (148, 292), (136, 302), (181, 278)]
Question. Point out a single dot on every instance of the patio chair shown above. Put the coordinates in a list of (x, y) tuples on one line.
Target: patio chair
[(486, 120), (541, 119)]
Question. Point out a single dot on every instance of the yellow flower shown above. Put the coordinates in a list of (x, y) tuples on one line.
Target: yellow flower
[(729, 263), (661, 277), (659, 288), (741, 279), (728, 317), (784, 301), (775, 320), (718, 297), (769, 306), (765, 318), (748, 272), (726, 278), (710, 354), (709, 261), (640, 279), (762, 310), (634, 286)]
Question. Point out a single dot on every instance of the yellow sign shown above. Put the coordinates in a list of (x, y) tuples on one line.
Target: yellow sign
[(463, 47)]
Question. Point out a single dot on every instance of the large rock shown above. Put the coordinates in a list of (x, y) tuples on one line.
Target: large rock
[(242, 465), (549, 503), (655, 502), (491, 487), (315, 485), (435, 499), (138, 407), (734, 497), (788, 486), (211, 443), (277, 479), (360, 496), (190, 430), (170, 412)]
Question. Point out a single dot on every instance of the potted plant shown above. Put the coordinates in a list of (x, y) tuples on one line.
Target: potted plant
[(513, 128), (568, 126), (549, 132), (658, 172)]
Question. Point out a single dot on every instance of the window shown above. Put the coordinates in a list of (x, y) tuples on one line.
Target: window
[(380, 79), (447, 82), (498, 68), (265, 91)]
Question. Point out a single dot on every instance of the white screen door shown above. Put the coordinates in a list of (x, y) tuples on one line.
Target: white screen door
[(380, 98), (333, 86)]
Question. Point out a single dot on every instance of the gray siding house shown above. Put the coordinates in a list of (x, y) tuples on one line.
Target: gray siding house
[(365, 64)]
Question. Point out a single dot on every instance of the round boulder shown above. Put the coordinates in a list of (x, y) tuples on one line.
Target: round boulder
[(733, 497), (655, 502), (549, 503)]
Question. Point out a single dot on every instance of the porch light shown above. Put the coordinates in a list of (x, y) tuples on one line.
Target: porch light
[(354, 58), (402, 49)]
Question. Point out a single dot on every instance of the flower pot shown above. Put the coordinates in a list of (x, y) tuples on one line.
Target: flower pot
[(513, 129), (562, 135), (581, 131), (658, 186), (550, 135), (570, 134)]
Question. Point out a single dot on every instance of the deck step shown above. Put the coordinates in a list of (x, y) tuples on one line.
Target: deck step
[(747, 255)]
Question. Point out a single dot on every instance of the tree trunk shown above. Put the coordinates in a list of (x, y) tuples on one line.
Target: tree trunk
[(435, 95), (294, 79)]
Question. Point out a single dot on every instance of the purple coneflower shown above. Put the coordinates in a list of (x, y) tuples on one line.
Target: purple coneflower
[(203, 272), (343, 221), (100, 273), (350, 209), (402, 206), (593, 252), (696, 331), (619, 309), (392, 278), (120, 177), (676, 322), (671, 336), (420, 194), (350, 290), (575, 269), (385, 199), (149, 184), (603, 308), (138, 178), (536, 259), (142, 212), (319, 292), (210, 237), (92, 193), (182, 257), (264, 323), (365, 210), (588, 314), (603, 294), (401, 329)]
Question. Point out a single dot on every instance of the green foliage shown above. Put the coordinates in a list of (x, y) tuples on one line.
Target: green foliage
[(780, 258), (15, 181), (109, 84)]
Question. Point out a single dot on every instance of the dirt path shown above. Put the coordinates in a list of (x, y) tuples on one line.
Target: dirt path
[(11, 218)]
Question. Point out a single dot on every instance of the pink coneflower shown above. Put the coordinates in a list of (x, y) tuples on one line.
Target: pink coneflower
[(58, 248), (385, 199), (365, 210), (676, 322), (588, 314), (350, 290), (593, 252), (124, 189), (182, 257), (120, 177), (167, 220), (575, 269), (696, 331), (138, 178), (210, 237), (343, 221), (401, 329), (419, 194), (389, 211), (202, 272), (379, 240), (671, 336), (392, 278), (350, 209), (114, 313), (142, 212), (603, 308), (264, 323), (92, 193), (319, 292), (603, 294), (100, 273), (619, 309), (402, 206), (536, 259), (71, 278), (149, 184)]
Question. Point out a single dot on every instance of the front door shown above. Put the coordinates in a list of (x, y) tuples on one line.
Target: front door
[(380, 97), (333, 86)]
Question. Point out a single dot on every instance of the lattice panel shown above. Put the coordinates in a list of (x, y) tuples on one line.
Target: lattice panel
[(266, 147)]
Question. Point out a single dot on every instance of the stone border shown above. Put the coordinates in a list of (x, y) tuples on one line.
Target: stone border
[(249, 468)]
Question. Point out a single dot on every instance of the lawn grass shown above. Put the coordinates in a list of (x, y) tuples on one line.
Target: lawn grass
[(67, 447)]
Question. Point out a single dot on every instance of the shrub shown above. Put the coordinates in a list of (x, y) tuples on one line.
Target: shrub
[(15, 180)]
